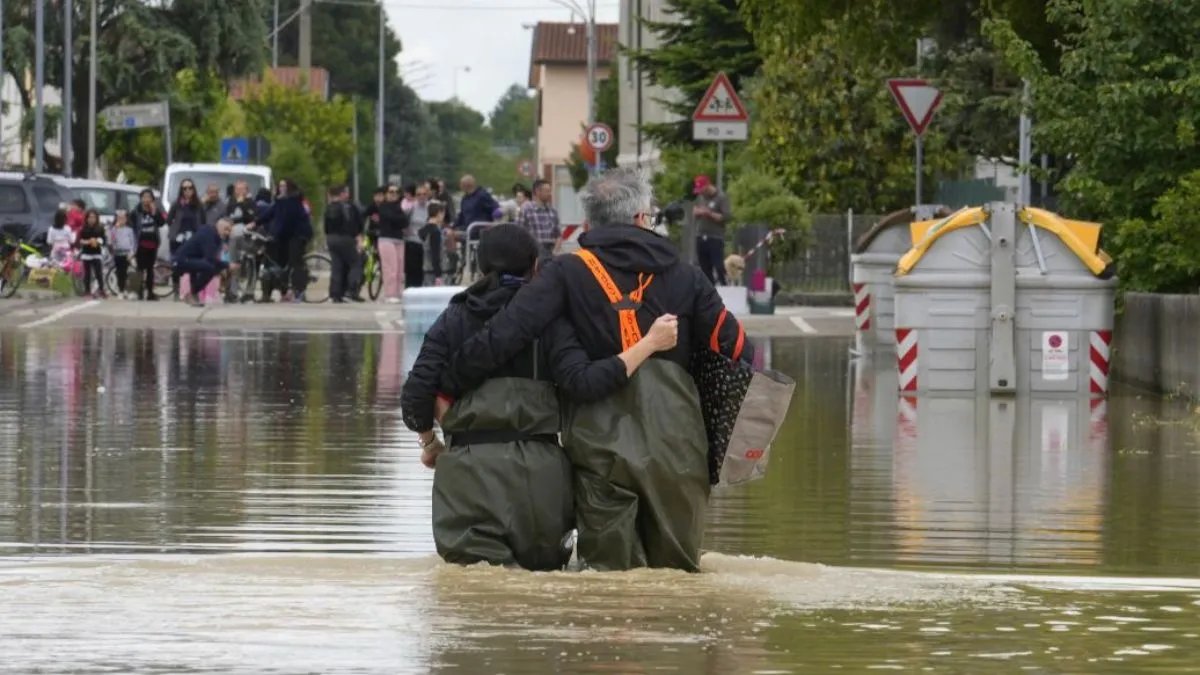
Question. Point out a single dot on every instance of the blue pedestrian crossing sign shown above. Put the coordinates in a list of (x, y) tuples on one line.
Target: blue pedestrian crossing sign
[(235, 151)]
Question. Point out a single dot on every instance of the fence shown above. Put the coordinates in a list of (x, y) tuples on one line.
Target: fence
[(825, 266)]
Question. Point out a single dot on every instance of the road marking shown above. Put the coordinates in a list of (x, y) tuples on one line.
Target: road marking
[(804, 326), (60, 314)]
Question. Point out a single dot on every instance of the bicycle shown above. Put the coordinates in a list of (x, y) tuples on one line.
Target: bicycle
[(13, 270), (163, 288), (372, 272), (258, 265)]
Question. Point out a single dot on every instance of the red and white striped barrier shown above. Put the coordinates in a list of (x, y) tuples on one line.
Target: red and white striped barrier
[(906, 358), (569, 242), (862, 308), (1099, 361)]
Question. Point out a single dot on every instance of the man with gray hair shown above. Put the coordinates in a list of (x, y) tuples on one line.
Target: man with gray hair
[(640, 456)]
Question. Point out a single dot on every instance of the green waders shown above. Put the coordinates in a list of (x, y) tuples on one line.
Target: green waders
[(502, 491), (641, 472)]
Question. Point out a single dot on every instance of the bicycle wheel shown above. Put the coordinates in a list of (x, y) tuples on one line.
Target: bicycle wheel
[(374, 278), (320, 272), (110, 281), (163, 288), (12, 274), (248, 279)]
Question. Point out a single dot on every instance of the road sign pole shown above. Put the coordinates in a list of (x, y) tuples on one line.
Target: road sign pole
[(167, 131), (920, 167), (39, 84), (721, 165)]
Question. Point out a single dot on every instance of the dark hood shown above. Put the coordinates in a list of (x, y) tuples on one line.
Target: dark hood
[(484, 303), (630, 248)]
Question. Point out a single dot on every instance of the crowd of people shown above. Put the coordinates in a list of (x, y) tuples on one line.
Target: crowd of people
[(573, 347)]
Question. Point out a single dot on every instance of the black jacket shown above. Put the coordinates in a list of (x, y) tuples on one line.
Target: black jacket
[(185, 218), (288, 217), (241, 213), (147, 225), (206, 244), (565, 288), (393, 221), (343, 219), (557, 356)]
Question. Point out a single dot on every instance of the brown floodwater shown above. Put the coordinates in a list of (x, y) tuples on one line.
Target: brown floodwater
[(250, 502)]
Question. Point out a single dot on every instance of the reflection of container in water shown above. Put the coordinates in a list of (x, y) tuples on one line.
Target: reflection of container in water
[(1016, 481), (421, 308)]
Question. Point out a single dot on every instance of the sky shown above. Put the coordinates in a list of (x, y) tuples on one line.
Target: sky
[(443, 37)]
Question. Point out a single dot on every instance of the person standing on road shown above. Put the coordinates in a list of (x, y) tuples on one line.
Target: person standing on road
[(240, 210), (186, 216), (414, 247), (291, 228), (343, 235), (124, 244), (201, 257), (75, 217), (540, 219), (393, 222), (478, 205), (641, 473), (148, 222), (214, 208), (61, 239), (92, 240), (712, 213)]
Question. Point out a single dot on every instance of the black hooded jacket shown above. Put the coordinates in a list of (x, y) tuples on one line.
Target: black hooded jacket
[(557, 356), (566, 289)]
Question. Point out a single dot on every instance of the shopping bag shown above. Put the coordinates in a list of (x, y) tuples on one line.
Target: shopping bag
[(743, 410)]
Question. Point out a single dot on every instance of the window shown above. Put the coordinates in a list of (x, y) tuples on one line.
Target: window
[(12, 199), (128, 200), (101, 199), (48, 199)]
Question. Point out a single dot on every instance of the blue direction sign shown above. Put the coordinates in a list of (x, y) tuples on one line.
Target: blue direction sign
[(235, 151)]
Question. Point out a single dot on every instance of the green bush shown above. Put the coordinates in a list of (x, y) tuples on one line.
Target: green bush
[(760, 198), (1163, 254)]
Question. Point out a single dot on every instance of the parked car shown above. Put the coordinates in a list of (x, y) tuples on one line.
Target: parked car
[(28, 203), (103, 196)]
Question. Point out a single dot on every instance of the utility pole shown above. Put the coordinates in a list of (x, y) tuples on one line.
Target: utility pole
[(91, 149), (2, 76), (275, 38), (379, 104), (68, 59), (305, 58), (39, 77), (354, 137), (591, 62)]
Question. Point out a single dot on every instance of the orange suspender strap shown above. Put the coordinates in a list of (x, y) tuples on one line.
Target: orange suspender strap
[(715, 342), (630, 331)]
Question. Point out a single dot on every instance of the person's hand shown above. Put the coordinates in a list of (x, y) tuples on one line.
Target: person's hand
[(664, 334), (431, 447), (700, 211)]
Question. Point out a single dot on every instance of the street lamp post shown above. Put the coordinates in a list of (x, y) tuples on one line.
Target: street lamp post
[(39, 77), (454, 78), (587, 9)]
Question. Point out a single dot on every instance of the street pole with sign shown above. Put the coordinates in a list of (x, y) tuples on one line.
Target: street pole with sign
[(918, 101), (599, 138), (721, 116)]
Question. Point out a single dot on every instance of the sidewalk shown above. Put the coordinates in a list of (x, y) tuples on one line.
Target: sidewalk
[(326, 317)]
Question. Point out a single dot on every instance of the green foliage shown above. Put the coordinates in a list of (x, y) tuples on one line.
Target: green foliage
[(682, 164), (512, 121), (608, 111), (1124, 107), (292, 158), (322, 128), (1163, 253), (760, 198), (698, 39)]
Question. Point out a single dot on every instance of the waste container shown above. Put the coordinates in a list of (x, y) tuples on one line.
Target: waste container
[(1004, 300), (421, 307), (873, 266)]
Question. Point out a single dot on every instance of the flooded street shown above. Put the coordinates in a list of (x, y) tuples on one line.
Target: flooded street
[(250, 502)]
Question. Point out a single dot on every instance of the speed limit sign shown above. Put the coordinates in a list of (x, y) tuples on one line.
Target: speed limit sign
[(600, 137)]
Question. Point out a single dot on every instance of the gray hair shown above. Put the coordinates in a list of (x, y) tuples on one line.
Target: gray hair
[(616, 197)]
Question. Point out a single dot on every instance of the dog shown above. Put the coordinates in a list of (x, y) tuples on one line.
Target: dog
[(735, 267)]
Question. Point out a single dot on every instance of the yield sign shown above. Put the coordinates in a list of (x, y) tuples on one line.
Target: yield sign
[(720, 103), (918, 100)]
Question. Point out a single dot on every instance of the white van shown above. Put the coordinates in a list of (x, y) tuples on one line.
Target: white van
[(222, 175)]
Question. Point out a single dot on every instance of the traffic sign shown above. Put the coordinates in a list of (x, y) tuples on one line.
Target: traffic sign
[(138, 116), (721, 103), (235, 151), (526, 169), (721, 116), (599, 137), (918, 100)]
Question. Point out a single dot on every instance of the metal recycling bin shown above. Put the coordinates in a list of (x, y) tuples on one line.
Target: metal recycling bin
[(873, 267), (1004, 300)]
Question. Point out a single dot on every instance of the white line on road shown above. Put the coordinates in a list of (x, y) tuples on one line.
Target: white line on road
[(60, 314), (804, 326)]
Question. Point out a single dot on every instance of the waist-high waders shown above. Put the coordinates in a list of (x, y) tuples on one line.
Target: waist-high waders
[(640, 458)]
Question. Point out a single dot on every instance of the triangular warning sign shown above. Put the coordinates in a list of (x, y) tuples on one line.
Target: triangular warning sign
[(234, 155), (720, 103), (918, 100)]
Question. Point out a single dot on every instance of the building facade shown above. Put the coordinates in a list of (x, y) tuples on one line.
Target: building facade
[(640, 100)]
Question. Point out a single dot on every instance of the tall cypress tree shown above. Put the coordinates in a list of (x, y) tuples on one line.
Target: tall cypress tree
[(698, 39)]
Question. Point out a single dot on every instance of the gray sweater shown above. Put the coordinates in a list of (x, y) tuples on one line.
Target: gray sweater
[(707, 227), (122, 239)]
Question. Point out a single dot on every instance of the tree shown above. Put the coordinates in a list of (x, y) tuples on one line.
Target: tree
[(1124, 107), (701, 38), (512, 121)]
